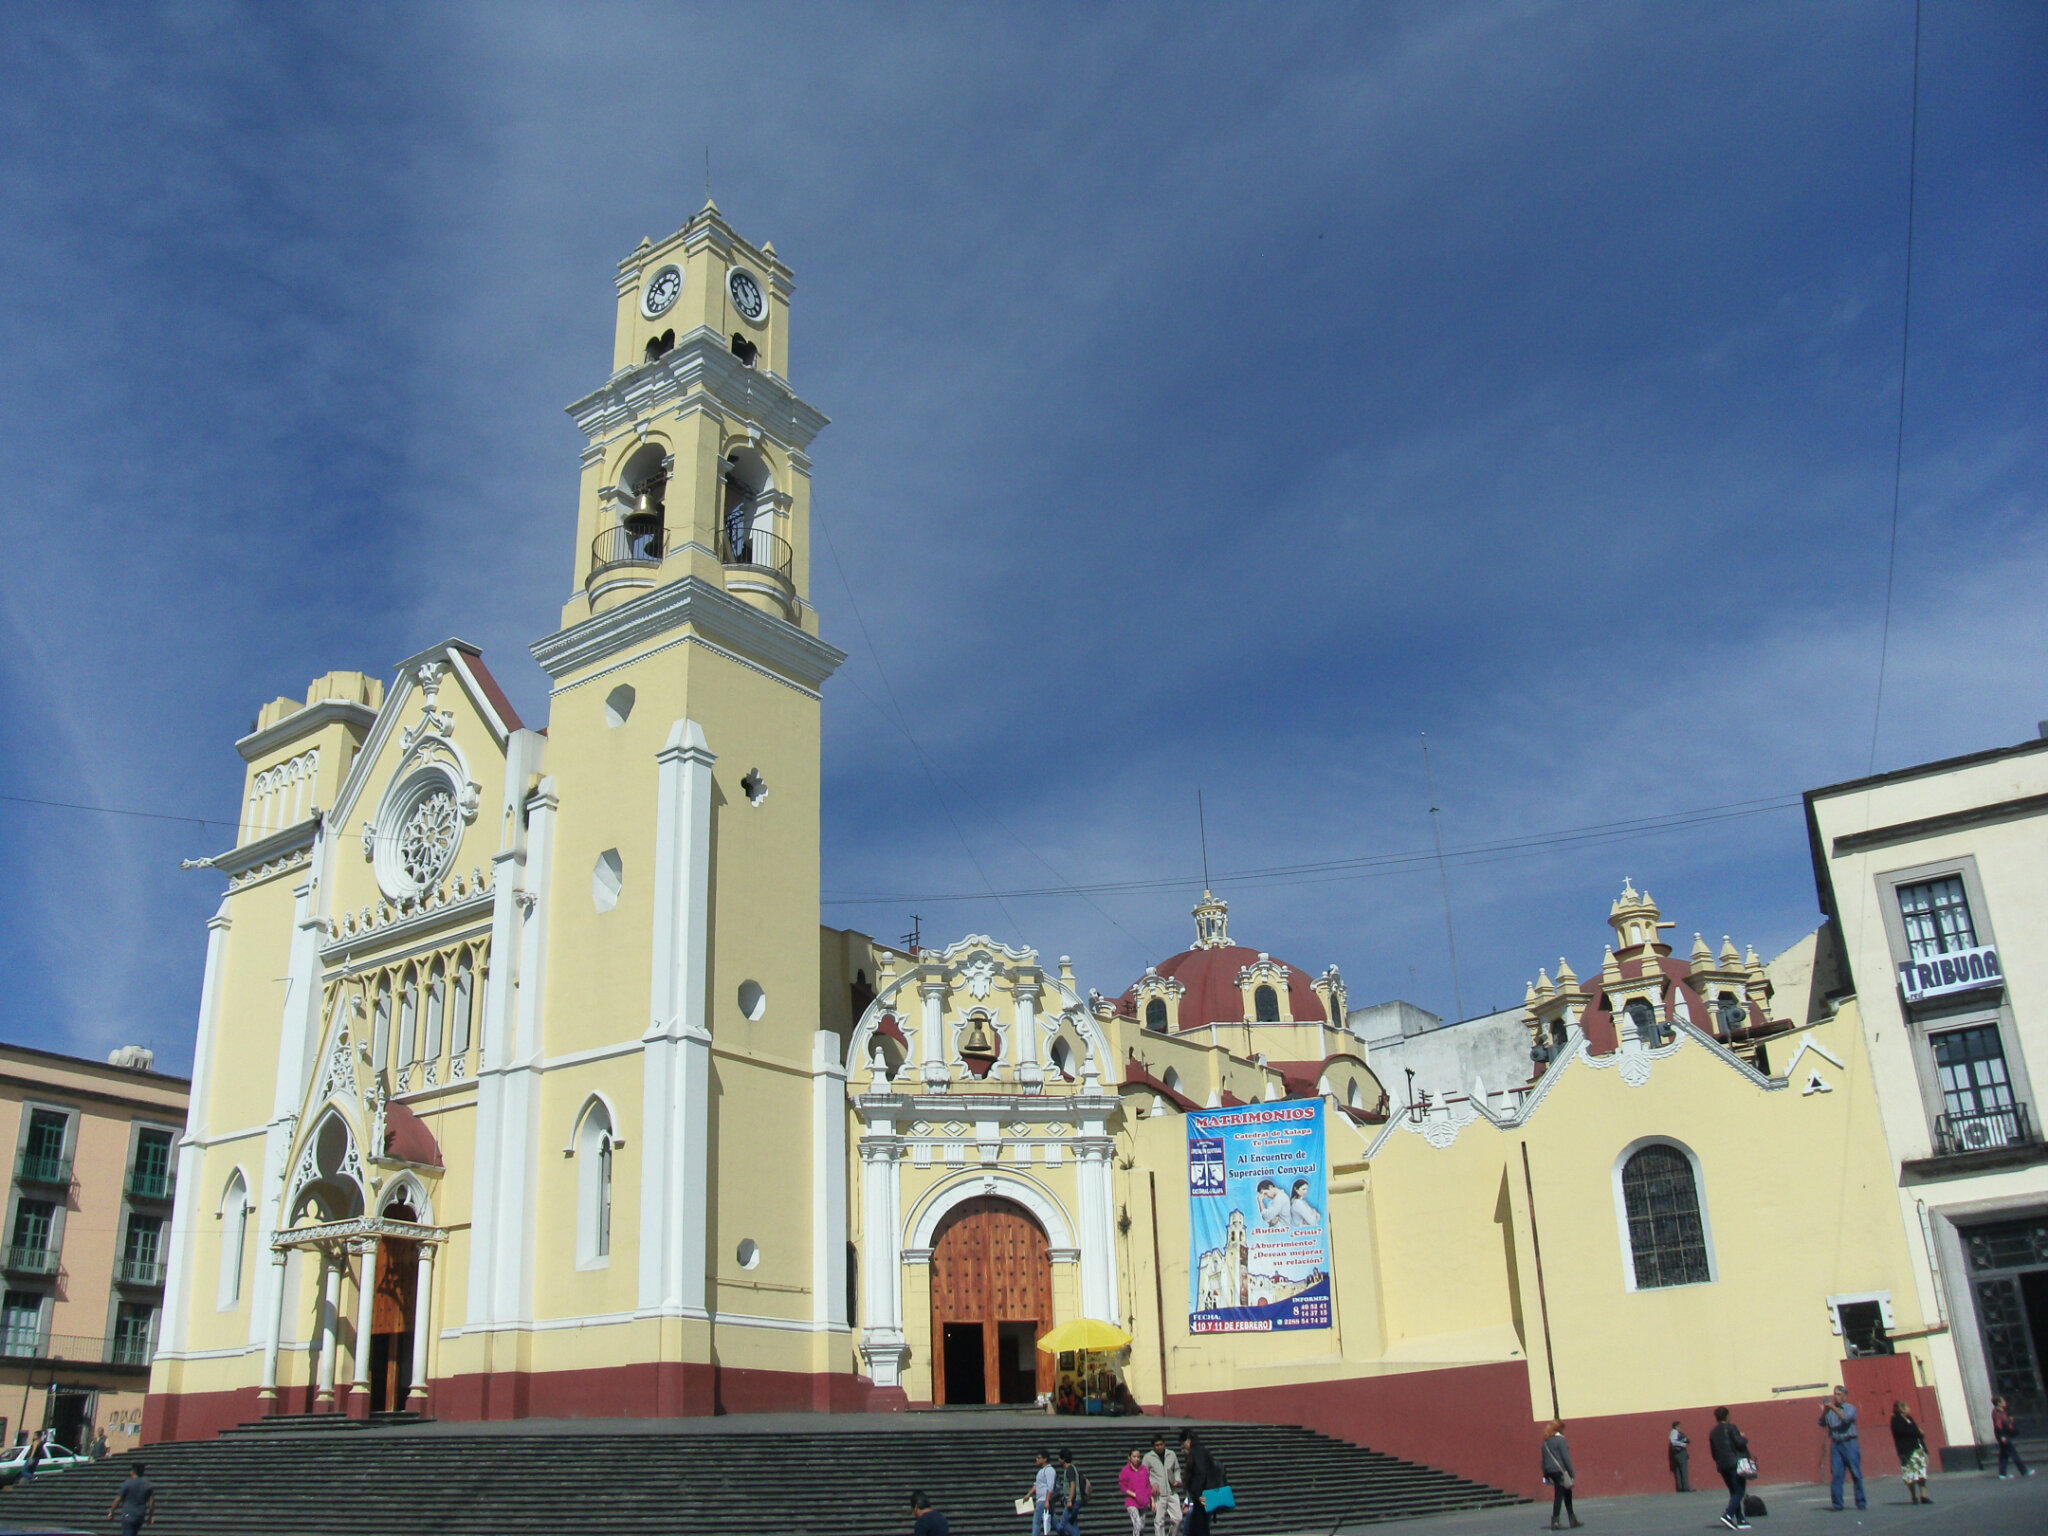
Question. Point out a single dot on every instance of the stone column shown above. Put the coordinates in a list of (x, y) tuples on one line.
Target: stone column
[(931, 987), (268, 1396), (1096, 1216), (881, 1336), (1024, 1059), (422, 1322), (366, 1308), (330, 1329)]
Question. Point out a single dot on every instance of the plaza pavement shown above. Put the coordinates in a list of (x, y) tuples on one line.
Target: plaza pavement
[(1965, 1504)]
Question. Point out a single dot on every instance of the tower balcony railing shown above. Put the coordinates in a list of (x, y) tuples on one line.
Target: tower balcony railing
[(74, 1348), (621, 545), (758, 548), (41, 1168), (28, 1259), (1989, 1130)]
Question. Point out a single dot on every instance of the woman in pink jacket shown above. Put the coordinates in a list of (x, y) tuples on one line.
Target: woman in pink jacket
[(1136, 1484)]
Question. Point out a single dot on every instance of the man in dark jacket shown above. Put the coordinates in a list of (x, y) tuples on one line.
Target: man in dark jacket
[(926, 1521), (1067, 1497), (1729, 1447), (1201, 1476)]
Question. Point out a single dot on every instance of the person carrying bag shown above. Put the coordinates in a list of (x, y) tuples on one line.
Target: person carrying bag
[(1559, 1473)]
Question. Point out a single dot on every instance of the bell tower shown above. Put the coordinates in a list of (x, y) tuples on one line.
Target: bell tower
[(695, 464), (677, 816)]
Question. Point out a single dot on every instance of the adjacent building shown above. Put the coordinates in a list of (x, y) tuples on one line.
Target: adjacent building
[(1935, 881), (89, 1198)]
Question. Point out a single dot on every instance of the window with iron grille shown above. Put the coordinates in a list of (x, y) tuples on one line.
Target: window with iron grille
[(152, 1162), (1937, 917), (32, 1221), (1155, 1015), (1666, 1237), (1972, 1067), (1266, 1006), (21, 1324)]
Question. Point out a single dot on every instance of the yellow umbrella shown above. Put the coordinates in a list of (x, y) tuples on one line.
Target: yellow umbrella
[(1084, 1333)]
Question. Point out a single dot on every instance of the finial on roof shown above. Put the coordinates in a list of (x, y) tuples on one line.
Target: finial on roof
[(1212, 922), (1610, 968), (1567, 978), (1729, 958), (1701, 955), (1543, 988)]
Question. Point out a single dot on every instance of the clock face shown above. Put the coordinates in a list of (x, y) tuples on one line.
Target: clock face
[(662, 292), (747, 297)]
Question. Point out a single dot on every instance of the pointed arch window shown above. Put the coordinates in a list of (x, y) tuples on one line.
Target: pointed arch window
[(234, 1240), (459, 1021), (1665, 1238), (1266, 1006), (595, 1140)]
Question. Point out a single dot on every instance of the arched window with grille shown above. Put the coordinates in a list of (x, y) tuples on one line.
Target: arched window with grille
[(1266, 1006), (1155, 1015), (1663, 1214)]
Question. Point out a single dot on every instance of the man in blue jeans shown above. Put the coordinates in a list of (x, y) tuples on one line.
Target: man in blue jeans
[(1845, 1445)]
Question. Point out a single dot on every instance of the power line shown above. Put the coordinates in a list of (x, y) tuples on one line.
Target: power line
[(1372, 866), (113, 810), (1891, 560)]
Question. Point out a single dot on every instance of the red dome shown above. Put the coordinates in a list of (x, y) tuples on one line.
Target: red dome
[(1212, 995)]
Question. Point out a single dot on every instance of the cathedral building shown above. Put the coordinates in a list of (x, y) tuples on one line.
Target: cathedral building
[(549, 1095)]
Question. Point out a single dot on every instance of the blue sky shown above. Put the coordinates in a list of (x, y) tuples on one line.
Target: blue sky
[(1221, 397)]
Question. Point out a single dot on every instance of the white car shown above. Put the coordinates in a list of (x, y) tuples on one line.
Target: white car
[(55, 1458)]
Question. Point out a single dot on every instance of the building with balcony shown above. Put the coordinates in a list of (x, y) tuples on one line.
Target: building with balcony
[(88, 1206), (1935, 882)]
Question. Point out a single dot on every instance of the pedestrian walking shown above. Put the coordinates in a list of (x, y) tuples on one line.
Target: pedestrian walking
[(134, 1502), (1730, 1449), (1558, 1472), (1164, 1467), (2001, 1429), (1912, 1448), (1136, 1484), (1068, 1497), (39, 1447), (1681, 1459), (1201, 1476), (1845, 1446), (1042, 1484)]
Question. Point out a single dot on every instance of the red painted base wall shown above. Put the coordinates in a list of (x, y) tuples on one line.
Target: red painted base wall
[(648, 1391), (1474, 1421)]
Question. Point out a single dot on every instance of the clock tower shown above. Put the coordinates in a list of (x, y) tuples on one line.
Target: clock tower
[(679, 814)]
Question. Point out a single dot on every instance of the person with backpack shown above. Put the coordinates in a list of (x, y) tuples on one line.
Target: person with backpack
[(1845, 1446), (2001, 1430), (1558, 1472), (1070, 1492), (1730, 1450)]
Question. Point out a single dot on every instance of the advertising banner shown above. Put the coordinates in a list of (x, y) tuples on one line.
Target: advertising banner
[(1258, 1243)]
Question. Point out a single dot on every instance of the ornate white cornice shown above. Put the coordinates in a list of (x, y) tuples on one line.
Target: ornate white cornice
[(356, 1228), (702, 360), (278, 848), (303, 722), (716, 615)]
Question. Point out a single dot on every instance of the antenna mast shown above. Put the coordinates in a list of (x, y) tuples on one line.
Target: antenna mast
[(1436, 831), (1202, 821)]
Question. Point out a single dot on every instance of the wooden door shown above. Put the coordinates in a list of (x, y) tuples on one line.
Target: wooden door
[(990, 1265), (391, 1315)]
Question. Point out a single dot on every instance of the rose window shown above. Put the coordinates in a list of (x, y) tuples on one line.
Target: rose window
[(426, 842)]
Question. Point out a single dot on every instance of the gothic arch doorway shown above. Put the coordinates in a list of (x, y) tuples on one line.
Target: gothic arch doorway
[(991, 1302), (392, 1314)]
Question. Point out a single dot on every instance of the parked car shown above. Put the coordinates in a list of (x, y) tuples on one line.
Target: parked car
[(56, 1458)]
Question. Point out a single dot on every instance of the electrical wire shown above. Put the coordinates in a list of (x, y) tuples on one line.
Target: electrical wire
[(1374, 866)]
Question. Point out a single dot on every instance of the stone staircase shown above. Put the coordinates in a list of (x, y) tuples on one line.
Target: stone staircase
[(808, 1476)]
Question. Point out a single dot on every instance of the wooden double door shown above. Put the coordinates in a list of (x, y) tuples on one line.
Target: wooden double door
[(991, 1302), (391, 1323)]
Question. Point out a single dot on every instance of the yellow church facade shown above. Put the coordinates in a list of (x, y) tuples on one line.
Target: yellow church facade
[(546, 1093)]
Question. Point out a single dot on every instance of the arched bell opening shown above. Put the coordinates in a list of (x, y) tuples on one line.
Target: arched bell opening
[(991, 1271)]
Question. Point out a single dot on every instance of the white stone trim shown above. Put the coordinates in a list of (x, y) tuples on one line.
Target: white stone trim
[(301, 722), (1884, 1308), (716, 615), (828, 1183)]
